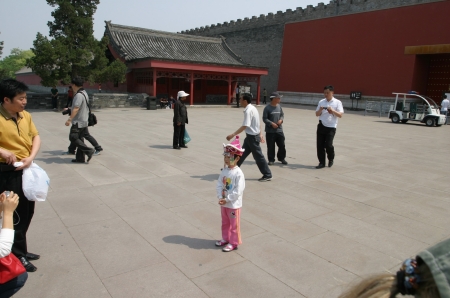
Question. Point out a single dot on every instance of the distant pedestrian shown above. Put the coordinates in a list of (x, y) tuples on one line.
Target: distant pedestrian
[(444, 107), (180, 119), (265, 95), (79, 120), (72, 148), (69, 97), (252, 128), (230, 189), (55, 93), (273, 117), (328, 110)]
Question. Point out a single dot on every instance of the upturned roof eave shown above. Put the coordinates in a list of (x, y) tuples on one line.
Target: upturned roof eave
[(198, 62)]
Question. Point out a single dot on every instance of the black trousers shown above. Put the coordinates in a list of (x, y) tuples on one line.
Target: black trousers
[(272, 139), (12, 181), (54, 102), (325, 136), (251, 145), (264, 100), (76, 138), (89, 138), (178, 135)]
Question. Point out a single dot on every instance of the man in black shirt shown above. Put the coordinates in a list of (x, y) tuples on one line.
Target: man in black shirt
[(273, 117), (180, 119)]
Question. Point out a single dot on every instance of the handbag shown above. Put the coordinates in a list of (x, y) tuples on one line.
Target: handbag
[(187, 138), (10, 267), (35, 183), (92, 119)]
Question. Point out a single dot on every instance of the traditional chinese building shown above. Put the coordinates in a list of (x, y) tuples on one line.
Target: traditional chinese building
[(163, 63)]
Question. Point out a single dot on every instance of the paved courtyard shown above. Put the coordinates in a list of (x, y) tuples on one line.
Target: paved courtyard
[(141, 219)]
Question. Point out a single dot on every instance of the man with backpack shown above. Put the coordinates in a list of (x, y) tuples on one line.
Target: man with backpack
[(79, 119)]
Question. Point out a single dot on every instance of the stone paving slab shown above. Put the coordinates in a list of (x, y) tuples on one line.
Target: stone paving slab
[(141, 219)]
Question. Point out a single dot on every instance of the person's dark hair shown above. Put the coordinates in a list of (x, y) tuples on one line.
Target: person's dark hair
[(247, 97), (445, 96), (329, 87), (78, 81), (10, 88)]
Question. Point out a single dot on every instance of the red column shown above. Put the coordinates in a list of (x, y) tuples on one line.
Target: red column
[(258, 91), (154, 81), (192, 89), (229, 90)]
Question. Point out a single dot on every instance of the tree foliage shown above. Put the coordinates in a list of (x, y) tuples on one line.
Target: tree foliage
[(72, 49), (14, 62)]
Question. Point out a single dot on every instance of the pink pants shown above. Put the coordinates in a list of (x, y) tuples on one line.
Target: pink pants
[(231, 225)]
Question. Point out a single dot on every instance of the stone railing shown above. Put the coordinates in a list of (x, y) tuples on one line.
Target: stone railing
[(96, 100)]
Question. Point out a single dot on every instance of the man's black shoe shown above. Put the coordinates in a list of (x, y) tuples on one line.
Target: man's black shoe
[(264, 179), (284, 162), (77, 161), (183, 146), (90, 154), (28, 266), (321, 165), (177, 148), (270, 163), (33, 257), (330, 163)]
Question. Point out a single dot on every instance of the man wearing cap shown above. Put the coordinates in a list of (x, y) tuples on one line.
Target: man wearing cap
[(253, 137), (180, 119), (328, 110), (273, 117)]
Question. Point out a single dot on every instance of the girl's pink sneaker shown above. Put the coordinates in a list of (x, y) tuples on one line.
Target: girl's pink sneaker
[(221, 242), (229, 247)]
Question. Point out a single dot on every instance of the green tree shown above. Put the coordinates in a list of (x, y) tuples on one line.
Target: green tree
[(14, 62), (72, 49)]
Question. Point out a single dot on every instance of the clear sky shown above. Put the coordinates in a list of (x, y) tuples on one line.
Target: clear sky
[(20, 20)]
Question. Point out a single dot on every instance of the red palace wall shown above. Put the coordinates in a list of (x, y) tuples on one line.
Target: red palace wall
[(364, 51)]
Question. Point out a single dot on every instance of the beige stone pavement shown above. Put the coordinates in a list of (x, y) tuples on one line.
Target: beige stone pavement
[(140, 220)]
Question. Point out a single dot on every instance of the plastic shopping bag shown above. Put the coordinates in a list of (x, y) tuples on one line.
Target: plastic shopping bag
[(35, 182), (187, 138)]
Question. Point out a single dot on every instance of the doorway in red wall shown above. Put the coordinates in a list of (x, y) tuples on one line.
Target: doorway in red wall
[(438, 81)]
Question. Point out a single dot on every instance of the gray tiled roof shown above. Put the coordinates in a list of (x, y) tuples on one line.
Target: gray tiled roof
[(133, 43)]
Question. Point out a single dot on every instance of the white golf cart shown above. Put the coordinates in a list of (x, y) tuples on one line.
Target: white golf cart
[(415, 107)]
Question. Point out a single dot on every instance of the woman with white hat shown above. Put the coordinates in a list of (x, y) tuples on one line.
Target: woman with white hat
[(180, 119)]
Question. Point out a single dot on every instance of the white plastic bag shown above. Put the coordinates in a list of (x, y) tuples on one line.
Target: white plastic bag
[(35, 182)]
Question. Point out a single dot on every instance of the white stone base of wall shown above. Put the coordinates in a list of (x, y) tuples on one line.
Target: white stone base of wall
[(312, 99)]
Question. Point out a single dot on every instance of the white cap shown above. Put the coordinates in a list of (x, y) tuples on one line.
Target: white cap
[(181, 94)]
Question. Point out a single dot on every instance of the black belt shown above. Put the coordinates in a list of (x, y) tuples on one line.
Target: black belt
[(6, 168)]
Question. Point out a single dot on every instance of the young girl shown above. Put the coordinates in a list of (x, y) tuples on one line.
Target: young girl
[(230, 188)]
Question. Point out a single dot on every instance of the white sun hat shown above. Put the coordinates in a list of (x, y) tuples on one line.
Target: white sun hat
[(182, 94)]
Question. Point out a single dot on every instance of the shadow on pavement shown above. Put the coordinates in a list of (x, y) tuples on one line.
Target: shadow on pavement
[(194, 243), (53, 160), (209, 177), (161, 146)]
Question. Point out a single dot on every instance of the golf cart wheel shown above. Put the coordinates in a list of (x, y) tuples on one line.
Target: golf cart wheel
[(404, 120), (429, 122), (395, 118)]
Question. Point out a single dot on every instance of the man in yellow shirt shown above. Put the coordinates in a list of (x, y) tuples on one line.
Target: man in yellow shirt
[(19, 142)]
